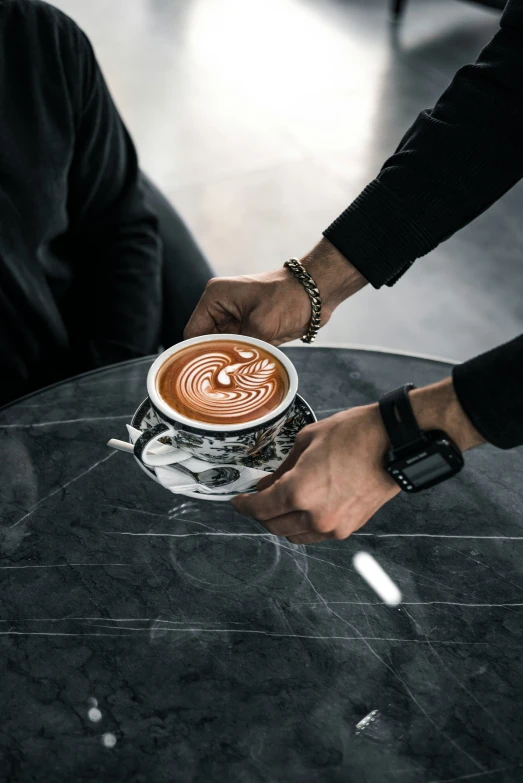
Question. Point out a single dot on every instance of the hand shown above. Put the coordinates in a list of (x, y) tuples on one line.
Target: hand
[(274, 306), (269, 306), (333, 480), (331, 483)]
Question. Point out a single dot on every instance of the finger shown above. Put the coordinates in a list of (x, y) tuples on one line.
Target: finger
[(272, 502), (201, 321), (288, 463), (296, 523), (229, 326), (307, 538)]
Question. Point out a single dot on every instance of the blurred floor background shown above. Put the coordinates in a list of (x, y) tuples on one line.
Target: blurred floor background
[(263, 119)]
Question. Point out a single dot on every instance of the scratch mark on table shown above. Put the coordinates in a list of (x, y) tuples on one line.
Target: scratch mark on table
[(62, 487)]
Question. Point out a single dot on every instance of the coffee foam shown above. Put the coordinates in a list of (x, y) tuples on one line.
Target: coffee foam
[(223, 382)]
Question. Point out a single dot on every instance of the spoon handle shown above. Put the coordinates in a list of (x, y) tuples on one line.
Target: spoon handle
[(188, 472), (120, 445)]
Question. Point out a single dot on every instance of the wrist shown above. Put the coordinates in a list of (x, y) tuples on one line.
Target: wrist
[(437, 407), (335, 276)]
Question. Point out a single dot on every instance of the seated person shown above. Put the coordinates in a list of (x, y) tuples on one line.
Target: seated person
[(89, 249)]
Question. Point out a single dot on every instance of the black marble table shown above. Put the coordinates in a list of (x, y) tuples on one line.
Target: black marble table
[(150, 637)]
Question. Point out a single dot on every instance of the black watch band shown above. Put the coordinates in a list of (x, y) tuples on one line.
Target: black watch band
[(399, 420), (416, 459)]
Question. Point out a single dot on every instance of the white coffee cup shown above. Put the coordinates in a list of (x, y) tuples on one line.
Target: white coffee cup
[(218, 443)]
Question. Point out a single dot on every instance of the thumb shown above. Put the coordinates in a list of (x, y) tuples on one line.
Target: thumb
[(292, 458), (201, 321)]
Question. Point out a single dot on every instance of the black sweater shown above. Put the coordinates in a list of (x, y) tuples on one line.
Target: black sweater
[(453, 163), (79, 253)]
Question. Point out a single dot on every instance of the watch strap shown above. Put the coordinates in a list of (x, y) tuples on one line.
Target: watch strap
[(398, 418)]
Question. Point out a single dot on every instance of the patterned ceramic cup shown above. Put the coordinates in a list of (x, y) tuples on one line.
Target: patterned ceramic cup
[(219, 443)]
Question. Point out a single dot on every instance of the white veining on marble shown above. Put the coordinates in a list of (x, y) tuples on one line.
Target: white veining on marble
[(400, 679), (476, 775), (376, 535), (131, 510), (485, 565), (421, 603), (272, 634), (438, 535), (11, 632), (268, 536), (63, 486), (191, 535), (493, 719), (107, 619), (366, 641), (64, 565), (64, 421)]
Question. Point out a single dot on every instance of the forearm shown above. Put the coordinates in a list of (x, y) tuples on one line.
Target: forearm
[(452, 164), (489, 388), (482, 401), (335, 276), (437, 407)]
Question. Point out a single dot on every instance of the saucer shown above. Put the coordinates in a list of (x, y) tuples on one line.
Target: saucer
[(267, 459)]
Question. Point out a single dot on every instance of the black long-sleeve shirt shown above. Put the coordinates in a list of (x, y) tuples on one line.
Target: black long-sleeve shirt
[(453, 163), (79, 252)]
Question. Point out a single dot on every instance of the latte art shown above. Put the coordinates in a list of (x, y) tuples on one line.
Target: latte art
[(223, 382)]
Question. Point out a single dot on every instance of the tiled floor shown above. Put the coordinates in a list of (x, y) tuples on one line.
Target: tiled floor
[(263, 119)]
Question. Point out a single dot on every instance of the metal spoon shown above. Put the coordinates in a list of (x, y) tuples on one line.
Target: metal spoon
[(214, 477)]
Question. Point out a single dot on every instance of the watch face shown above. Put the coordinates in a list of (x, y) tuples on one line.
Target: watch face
[(425, 464), (427, 469)]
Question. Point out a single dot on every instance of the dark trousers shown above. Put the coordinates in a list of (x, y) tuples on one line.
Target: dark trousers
[(185, 268)]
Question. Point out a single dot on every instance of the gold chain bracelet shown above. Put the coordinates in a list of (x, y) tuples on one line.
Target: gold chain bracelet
[(301, 274)]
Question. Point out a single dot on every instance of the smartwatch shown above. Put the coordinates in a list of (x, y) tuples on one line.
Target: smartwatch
[(416, 459)]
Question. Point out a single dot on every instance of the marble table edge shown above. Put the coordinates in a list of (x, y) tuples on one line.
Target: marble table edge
[(293, 344)]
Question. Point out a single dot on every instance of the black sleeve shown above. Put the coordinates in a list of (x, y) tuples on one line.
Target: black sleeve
[(490, 391), (453, 163), (112, 234)]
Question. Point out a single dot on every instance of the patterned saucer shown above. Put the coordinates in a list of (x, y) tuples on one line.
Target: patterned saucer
[(267, 459)]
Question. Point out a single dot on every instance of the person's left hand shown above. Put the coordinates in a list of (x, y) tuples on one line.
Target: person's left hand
[(331, 483)]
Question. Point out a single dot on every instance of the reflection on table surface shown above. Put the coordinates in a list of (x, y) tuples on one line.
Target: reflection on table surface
[(147, 636)]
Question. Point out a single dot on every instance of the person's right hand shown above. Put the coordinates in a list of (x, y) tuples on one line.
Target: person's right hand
[(274, 306), (271, 306)]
